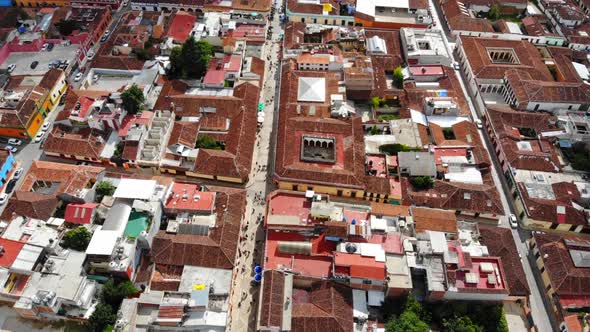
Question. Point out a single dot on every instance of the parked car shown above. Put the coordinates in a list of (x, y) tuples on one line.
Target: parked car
[(11, 148), (478, 123), (17, 173), (78, 77), (44, 47), (10, 186), (103, 39), (34, 64), (3, 198), (95, 78), (39, 136), (456, 66), (15, 141), (90, 55), (11, 68), (107, 33), (50, 47), (512, 220), (45, 126)]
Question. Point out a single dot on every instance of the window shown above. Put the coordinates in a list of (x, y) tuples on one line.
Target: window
[(553, 226), (339, 193), (309, 188), (353, 194), (367, 282), (294, 187), (542, 269)]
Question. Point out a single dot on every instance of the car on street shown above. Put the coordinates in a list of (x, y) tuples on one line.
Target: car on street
[(50, 47), (34, 64), (44, 47), (3, 198), (15, 141), (11, 148), (103, 39), (512, 220), (456, 66), (90, 55), (11, 68), (10, 186), (17, 173), (107, 33), (95, 78), (45, 126), (39, 136), (78, 77), (478, 123), (124, 4)]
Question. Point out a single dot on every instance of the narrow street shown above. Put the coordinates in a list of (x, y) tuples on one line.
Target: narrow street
[(245, 294), (539, 311)]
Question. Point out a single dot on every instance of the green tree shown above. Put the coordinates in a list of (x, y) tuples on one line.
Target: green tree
[(77, 238), (105, 188), (208, 142), (461, 324), (113, 294), (494, 13), (102, 316), (176, 63), (66, 27), (192, 59), (393, 149), (408, 321), (398, 77), (421, 182), (376, 101), (374, 130), (142, 54), (416, 307), (133, 99)]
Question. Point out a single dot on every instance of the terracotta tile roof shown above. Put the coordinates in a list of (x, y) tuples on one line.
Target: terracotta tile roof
[(348, 170), (50, 78), (547, 209), (327, 308), (184, 133), (426, 219), (566, 279), (81, 142), (382, 209), (573, 323), (476, 51), (294, 35), (501, 243), (459, 196), (181, 26), (217, 250), (20, 116), (272, 298), (29, 204), (130, 150), (459, 21), (71, 178), (117, 62), (528, 90), (506, 124), (239, 110), (466, 134)]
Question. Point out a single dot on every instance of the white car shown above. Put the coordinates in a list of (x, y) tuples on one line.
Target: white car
[(90, 55), (39, 136), (95, 78), (44, 48), (478, 124), (11, 68), (44, 127), (3, 198), (11, 148), (17, 173), (512, 220), (78, 77), (15, 141), (107, 33), (456, 66)]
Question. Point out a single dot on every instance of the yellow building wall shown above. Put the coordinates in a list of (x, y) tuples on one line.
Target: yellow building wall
[(320, 189), (44, 3), (56, 92), (34, 124), (228, 179), (198, 175)]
